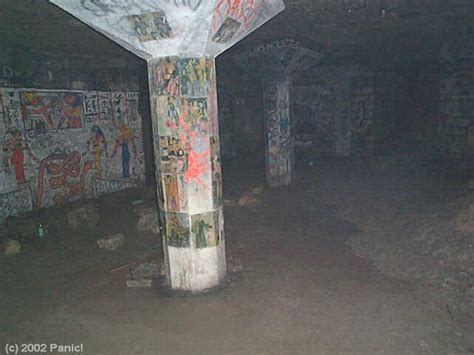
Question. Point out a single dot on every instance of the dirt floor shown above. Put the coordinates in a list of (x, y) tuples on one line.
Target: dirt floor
[(326, 270)]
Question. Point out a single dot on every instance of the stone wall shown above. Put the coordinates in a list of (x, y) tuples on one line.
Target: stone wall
[(372, 110), (20, 68), (456, 119), (322, 101), (240, 114), (63, 145)]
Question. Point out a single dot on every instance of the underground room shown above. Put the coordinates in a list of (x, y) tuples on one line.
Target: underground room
[(237, 177)]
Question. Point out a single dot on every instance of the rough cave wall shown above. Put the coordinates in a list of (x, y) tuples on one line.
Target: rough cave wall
[(321, 112), (456, 107), (372, 110), (241, 125), (240, 104), (20, 68), (325, 102), (336, 111), (247, 110), (314, 121), (226, 123), (60, 144), (416, 108)]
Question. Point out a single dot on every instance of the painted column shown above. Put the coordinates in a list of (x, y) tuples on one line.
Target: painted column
[(179, 40), (189, 179), (275, 63), (279, 146)]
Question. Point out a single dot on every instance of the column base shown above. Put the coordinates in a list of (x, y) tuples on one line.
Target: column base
[(279, 182), (196, 270)]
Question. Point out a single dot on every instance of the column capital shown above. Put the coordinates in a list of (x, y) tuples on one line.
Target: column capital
[(277, 59), (162, 28)]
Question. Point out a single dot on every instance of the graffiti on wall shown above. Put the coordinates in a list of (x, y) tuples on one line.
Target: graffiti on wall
[(56, 143)]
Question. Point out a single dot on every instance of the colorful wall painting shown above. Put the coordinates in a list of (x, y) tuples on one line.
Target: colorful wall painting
[(53, 110), (59, 146)]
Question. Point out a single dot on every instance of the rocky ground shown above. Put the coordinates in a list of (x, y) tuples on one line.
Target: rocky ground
[(416, 222)]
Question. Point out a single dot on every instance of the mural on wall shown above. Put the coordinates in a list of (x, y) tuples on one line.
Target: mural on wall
[(188, 158), (12, 108), (65, 174), (91, 107), (53, 110), (104, 100), (63, 145), (125, 140), (97, 147), (14, 149)]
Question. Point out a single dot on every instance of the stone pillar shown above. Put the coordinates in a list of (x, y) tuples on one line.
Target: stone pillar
[(279, 147), (275, 63), (180, 40), (189, 180)]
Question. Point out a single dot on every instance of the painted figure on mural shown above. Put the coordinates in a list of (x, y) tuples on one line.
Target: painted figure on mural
[(72, 110), (173, 112), (13, 153), (201, 229), (173, 85), (166, 78), (193, 77), (97, 146), (198, 115), (172, 192), (38, 110), (124, 140), (178, 230)]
